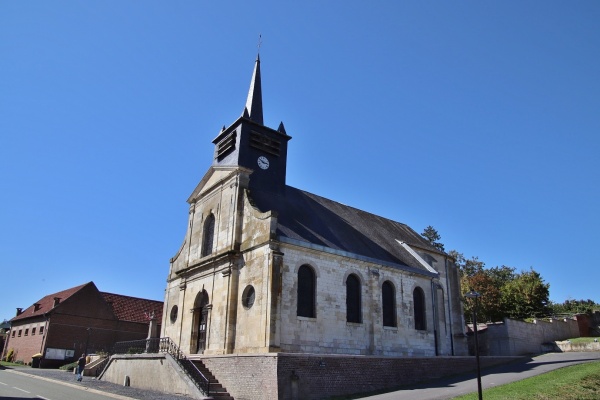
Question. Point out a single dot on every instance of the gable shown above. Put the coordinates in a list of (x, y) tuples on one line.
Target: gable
[(214, 177), (47, 303)]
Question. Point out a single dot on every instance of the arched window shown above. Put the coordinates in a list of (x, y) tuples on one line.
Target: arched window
[(353, 312), (388, 300), (306, 292), (208, 234), (419, 309), (441, 308)]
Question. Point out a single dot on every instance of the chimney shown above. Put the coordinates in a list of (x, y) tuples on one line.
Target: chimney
[(56, 301), (19, 311), (36, 306)]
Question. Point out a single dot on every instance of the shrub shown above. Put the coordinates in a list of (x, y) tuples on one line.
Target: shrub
[(135, 350), (68, 367), (10, 355)]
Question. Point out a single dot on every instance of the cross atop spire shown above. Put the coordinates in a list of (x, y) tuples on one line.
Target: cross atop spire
[(254, 108)]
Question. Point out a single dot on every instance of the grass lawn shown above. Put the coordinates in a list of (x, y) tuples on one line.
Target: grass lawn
[(9, 364), (583, 340), (578, 382)]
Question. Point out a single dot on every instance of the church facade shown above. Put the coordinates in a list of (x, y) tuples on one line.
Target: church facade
[(268, 268)]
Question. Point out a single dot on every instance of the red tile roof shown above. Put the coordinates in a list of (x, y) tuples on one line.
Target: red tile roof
[(46, 303), (132, 308), (125, 308)]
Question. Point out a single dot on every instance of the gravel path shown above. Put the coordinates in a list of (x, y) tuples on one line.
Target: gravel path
[(90, 383)]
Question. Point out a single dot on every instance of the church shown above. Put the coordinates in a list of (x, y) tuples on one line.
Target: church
[(269, 268)]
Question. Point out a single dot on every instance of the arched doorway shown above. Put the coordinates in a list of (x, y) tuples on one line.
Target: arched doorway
[(198, 342)]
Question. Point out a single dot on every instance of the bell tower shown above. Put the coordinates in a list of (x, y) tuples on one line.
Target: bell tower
[(249, 143)]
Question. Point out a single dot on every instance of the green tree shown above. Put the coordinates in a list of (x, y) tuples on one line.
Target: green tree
[(466, 267), (526, 296), (571, 307), (489, 304), (432, 235), (502, 275)]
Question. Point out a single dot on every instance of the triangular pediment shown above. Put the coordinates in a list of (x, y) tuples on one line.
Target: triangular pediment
[(214, 177)]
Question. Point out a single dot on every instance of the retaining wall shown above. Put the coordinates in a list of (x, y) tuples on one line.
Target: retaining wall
[(568, 346), (286, 376), (150, 371), (514, 338), (292, 376)]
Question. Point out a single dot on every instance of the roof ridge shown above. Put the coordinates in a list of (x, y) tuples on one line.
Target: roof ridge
[(427, 246), (348, 206), (131, 297)]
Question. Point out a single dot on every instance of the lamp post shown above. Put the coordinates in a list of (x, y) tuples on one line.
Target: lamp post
[(474, 295)]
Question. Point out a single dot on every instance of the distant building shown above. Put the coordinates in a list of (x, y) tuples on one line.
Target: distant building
[(61, 326), (4, 328), (265, 267)]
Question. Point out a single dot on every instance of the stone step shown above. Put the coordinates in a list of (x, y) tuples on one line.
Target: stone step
[(217, 391)]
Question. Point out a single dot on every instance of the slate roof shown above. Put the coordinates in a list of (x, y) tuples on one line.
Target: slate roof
[(133, 309), (254, 109), (306, 217), (46, 303)]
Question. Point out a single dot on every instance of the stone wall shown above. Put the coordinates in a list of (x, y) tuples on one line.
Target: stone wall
[(288, 376), (329, 333), (512, 337), (568, 346), (246, 376), (150, 371)]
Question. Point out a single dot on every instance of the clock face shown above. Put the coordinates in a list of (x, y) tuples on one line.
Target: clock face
[(263, 162)]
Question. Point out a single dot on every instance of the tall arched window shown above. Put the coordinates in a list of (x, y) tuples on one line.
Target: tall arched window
[(353, 300), (388, 302), (419, 309), (306, 292), (208, 234), (441, 311)]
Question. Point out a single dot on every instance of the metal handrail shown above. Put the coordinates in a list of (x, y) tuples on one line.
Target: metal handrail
[(165, 345)]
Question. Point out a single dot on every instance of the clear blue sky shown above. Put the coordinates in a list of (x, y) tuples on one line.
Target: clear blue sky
[(479, 118)]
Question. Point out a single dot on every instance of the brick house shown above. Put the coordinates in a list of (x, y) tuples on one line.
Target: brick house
[(63, 325)]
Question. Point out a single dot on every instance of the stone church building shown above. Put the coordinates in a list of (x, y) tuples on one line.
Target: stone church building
[(268, 268)]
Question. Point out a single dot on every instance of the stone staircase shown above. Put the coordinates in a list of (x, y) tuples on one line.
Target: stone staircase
[(217, 391)]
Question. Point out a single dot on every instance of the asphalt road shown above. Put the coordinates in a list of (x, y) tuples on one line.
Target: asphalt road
[(20, 386), (495, 376), (58, 385)]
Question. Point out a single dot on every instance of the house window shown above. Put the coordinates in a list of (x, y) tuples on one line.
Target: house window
[(41, 330), (27, 332), (353, 312), (19, 332), (419, 309), (13, 334), (32, 331), (306, 292), (388, 300), (208, 235)]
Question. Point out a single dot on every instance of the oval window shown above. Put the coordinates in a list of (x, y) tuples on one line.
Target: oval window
[(248, 296), (173, 315)]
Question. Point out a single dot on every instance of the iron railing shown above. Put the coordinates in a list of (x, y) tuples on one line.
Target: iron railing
[(165, 345), (100, 367)]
